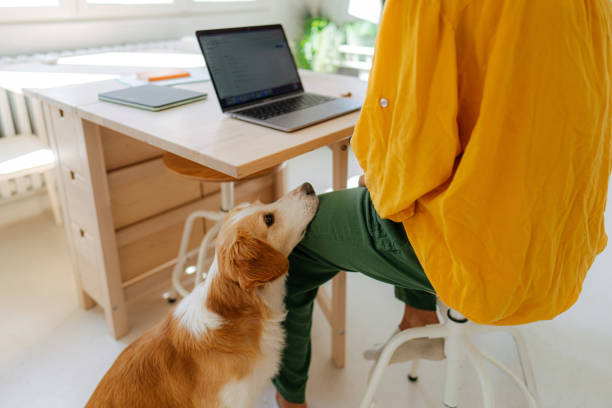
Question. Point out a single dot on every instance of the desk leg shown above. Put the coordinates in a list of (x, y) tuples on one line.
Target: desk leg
[(114, 306), (338, 299)]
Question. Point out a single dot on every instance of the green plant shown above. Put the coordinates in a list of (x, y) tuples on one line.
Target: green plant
[(317, 50), (318, 46), (360, 33)]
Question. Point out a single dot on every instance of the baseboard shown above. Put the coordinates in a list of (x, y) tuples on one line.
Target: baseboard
[(21, 208)]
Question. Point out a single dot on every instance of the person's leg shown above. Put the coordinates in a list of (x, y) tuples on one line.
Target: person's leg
[(306, 274), (346, 234), (422, 311)]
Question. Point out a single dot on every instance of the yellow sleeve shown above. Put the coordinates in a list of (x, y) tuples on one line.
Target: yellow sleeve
[(406, 138)]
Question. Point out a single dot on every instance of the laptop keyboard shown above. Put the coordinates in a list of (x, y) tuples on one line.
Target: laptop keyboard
[(288, 105)]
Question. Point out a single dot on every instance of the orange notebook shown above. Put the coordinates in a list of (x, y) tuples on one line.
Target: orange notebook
[(152, 76)]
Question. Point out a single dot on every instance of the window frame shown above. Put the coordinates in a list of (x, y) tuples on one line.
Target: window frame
[(227, 6), (65, 10), (108, 11), (68, 10)]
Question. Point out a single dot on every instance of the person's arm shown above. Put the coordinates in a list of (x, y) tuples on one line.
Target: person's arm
[(406, 139)]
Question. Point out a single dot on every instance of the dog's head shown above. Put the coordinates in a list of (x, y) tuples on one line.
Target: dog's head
[(255, 239)]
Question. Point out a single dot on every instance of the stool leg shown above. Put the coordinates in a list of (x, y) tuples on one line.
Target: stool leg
[(485, 382), (434, 331), (531, 398), (182, 257), (414, 371), (454, 350), (180, 262), (525, 361), (227, 203), (203, 252), (227, 196)]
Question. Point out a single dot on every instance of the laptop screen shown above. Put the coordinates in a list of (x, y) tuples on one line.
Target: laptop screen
[(249, 64)]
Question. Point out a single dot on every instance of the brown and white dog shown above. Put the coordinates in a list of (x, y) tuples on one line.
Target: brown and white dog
[(223, 342)]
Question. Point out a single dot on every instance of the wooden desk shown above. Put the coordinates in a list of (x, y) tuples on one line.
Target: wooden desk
[(107, 151)]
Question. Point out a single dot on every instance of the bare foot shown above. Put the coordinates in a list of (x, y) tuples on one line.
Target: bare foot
[(414, 317), (282, 403), (420, 348), (361, 182)]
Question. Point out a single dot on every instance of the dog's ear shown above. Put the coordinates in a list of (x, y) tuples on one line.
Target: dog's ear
[(254, 262)]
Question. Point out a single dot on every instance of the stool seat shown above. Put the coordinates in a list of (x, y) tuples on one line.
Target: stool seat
[(191, 169)]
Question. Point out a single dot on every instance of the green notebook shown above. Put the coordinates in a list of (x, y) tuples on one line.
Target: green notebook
[(152, 97)]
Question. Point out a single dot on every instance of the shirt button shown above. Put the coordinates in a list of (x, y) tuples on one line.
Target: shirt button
[(384, 102)]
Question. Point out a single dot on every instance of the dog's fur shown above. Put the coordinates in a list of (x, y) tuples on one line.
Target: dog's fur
[(222, 343)]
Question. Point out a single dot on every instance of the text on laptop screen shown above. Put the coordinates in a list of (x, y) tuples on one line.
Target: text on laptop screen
[(249, 65)]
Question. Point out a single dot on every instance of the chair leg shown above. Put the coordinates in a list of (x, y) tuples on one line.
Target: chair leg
[(531, 399), (525, 361), (182, 257), (454, 350), (485, 382), (49, 177), (227, 196), (203, 251), (433, 331), (413, 376), (180, 262), (227, 203)]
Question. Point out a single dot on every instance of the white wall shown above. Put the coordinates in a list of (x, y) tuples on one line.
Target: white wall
[(335, 10), (29, 38)]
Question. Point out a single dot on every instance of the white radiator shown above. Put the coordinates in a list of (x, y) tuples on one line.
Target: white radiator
[(19, 116)]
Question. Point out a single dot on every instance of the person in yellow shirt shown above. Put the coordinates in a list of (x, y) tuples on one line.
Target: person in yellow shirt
[(485, 139)]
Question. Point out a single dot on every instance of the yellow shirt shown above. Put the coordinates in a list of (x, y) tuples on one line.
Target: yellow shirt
[(486, 131)]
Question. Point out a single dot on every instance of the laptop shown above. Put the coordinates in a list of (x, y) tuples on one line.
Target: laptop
[(256, 79)]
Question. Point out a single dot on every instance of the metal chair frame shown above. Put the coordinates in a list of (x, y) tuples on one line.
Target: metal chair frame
[(227, 203), (456, 330)]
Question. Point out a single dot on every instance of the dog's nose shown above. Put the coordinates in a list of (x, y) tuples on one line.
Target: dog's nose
[(307, 188)]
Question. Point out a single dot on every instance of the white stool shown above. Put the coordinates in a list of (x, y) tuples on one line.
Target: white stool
[(456, 331), (190, 169)]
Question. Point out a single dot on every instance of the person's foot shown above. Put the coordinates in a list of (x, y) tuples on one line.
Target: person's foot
[(424, 348), (282, 403), (414, 317)]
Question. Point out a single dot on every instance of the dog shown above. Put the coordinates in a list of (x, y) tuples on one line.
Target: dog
[(222, 344)]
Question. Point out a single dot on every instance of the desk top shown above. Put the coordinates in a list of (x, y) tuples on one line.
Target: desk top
[(202, 133)]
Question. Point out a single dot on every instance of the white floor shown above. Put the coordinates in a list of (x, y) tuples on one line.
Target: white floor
[(52, 354)]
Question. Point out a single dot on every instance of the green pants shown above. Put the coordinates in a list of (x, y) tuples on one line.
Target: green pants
[(346, 235)]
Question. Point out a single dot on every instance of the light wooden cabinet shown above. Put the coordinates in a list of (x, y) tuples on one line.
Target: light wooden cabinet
[(125, 212)]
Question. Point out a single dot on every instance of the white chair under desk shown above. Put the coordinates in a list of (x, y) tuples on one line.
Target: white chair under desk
[(456, 330), (24, 155)]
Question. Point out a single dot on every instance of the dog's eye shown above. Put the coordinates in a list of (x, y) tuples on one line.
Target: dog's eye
[(269, 219)]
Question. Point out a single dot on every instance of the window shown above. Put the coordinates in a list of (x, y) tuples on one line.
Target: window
[(32, 10), (130, 2), (29, 3), (41, 10), (227, 5), (368, 10)]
